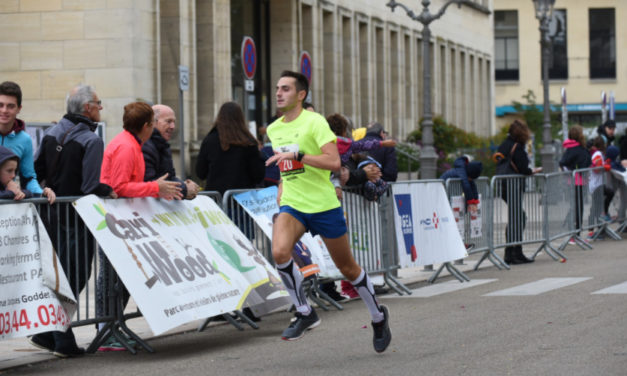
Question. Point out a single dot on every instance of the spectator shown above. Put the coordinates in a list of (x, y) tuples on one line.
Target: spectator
[(467, 172), (8, 169), (9, 165), (596, 185), (606, 132), (618, 184), (13, 136), (123, 168), (229, 157), (157, 153), (612, 157), (349, 149), (623, 147), (576, 157), (69, 160), (512, 159), (385, 156)]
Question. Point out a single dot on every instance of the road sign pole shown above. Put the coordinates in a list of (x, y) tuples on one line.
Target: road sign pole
[(183, 86)]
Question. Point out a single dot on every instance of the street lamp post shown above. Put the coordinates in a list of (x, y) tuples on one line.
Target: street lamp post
[(544, 12), (428, 157)]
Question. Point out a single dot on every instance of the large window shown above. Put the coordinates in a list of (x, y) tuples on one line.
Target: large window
[(558, 68), (506, 44), (602, 43)]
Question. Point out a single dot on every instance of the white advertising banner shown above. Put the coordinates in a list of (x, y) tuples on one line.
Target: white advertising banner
[(35, 296), (426, 231), (181, 260), (261, 205)]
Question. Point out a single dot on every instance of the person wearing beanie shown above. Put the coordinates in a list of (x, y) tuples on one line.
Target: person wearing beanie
[(8, 169), (612, 159)]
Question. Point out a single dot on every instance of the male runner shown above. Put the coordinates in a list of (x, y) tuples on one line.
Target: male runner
[(306, 153)]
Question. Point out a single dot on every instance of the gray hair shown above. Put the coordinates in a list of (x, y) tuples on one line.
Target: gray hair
[(78, 97), (157, 110)]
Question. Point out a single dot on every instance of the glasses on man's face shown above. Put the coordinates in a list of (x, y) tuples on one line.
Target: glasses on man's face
[(98, 102)]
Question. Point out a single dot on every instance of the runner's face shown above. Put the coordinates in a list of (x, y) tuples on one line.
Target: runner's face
[(8, 111), (7, 171), (287, 97)]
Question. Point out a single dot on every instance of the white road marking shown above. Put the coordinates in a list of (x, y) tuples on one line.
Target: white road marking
[(440, 288), (538, 287), (621, 288)]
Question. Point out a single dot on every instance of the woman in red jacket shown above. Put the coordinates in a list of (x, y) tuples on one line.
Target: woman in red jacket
[(123, 162), (123, 169)]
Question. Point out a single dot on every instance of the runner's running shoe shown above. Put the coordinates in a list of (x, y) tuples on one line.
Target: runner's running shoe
[(299, 326), (382, 333)]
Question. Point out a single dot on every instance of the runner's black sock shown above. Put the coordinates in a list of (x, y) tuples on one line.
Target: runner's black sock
[(293, 280), (364, 287)]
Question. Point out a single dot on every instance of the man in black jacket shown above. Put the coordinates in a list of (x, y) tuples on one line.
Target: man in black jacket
[(68, 161), (157, 153)]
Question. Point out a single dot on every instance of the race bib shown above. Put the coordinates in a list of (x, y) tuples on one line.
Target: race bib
[(290, 167)]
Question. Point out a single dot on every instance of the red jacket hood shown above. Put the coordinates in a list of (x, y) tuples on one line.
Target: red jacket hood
[(343, 144), (568, 143)]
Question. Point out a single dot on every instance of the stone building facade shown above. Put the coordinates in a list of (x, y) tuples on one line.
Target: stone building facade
[(366, 60)]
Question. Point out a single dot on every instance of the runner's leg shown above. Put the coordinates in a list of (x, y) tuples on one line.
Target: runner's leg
[(340, 252), (285, 233)]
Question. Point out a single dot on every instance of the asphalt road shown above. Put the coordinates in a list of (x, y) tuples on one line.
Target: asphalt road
[(564, 331)]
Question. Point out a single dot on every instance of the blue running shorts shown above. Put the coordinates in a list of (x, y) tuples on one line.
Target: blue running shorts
[(329, 224)]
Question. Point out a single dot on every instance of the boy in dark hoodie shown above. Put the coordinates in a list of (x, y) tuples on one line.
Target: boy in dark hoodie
[(467, 171)]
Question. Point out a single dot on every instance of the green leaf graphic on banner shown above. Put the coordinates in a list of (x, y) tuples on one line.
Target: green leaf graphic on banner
[(101, 210), (229, 255)]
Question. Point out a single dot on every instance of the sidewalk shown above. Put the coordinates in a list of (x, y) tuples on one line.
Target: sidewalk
[(18, 352)]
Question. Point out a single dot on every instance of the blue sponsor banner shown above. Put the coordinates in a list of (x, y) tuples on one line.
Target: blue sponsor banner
[(403, 205)]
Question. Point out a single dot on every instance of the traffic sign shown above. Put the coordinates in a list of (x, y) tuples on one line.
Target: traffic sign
[(305, 65), (183, 77), (249, 57)]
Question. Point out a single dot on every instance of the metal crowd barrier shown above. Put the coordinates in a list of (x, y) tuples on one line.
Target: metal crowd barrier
[(619, 203), (477, 243), (563, 208), (371, 234)]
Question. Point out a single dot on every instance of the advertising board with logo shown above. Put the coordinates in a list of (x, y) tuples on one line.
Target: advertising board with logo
[(426, 230), (182, 260), (35, 295)]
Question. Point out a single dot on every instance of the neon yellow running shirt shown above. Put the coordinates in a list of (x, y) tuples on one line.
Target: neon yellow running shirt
[(305, 188)]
